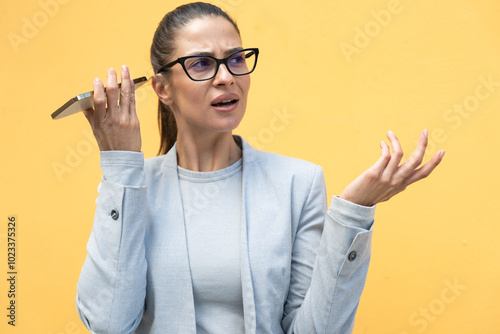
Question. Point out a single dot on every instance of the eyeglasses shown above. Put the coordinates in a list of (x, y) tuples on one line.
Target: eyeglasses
[(201, 68)]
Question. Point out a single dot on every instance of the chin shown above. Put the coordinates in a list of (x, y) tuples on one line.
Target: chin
[(228, 124), (227, 127)]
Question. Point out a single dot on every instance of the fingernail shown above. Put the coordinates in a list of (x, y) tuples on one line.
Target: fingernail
[(124, 68), (96, 80), (425, 133), (441, 154), (390, 132)]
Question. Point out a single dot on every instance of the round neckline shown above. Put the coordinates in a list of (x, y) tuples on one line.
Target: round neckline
[(195, 176)]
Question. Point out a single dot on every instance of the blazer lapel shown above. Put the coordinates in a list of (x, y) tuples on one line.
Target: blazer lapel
[(246, 273), (177, 265)]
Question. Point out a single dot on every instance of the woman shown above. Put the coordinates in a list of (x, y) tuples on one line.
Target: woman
[(213, 236)]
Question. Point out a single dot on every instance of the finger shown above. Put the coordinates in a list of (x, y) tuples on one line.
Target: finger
[(396, 156), (125, 93), (426, 169), (89, 115), (112, 94), (416, 158), (381, 163), (132, 100), (99, 102)]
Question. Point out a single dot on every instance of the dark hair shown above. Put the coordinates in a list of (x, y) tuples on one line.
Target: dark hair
[(162, 48)]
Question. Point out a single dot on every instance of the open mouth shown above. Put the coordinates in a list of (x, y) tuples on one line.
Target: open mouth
[(224, 103)]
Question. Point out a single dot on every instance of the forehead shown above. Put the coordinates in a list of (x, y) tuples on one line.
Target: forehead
[(208, 34)]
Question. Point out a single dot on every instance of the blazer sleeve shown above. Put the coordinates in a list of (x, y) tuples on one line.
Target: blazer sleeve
[(112, 285), (340, 268)]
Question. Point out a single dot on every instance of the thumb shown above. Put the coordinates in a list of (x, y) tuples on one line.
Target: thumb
[(89, 115)]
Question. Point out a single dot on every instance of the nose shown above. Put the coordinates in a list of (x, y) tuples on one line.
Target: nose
[(223, 76)]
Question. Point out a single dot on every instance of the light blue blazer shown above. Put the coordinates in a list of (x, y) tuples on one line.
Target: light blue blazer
[(303, 268)]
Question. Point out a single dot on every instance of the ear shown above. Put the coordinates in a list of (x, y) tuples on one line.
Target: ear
[(162, 89)]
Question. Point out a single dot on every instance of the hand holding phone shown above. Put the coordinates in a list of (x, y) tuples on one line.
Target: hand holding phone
[(85, 101), (113, 118)]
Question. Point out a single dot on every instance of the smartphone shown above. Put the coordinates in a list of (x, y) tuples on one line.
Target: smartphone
[(85, 101)]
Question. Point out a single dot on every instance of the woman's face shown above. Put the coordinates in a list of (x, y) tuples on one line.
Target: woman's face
[(195, 104)]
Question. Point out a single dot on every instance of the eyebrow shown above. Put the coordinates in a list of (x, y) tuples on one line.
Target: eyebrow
[(211, 54)]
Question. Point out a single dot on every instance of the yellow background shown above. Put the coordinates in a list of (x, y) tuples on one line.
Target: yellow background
[(343, 73)]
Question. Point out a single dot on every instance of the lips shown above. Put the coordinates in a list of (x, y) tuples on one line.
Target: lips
[(224, 100)]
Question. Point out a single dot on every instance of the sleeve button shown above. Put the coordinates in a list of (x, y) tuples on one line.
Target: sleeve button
[(114, 214), (352, 256)]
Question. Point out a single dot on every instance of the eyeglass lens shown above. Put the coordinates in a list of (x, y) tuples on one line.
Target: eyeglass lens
[(240, 63)]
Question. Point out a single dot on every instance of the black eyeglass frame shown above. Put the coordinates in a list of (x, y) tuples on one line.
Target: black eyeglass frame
[(218, 62)]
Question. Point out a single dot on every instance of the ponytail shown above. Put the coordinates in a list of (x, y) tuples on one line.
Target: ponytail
[(167, 127)]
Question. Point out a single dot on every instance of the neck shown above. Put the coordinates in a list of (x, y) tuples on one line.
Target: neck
[(206, 153)]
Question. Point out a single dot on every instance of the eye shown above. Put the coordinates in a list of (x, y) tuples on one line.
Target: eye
[(237, 59), (199, 63)]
